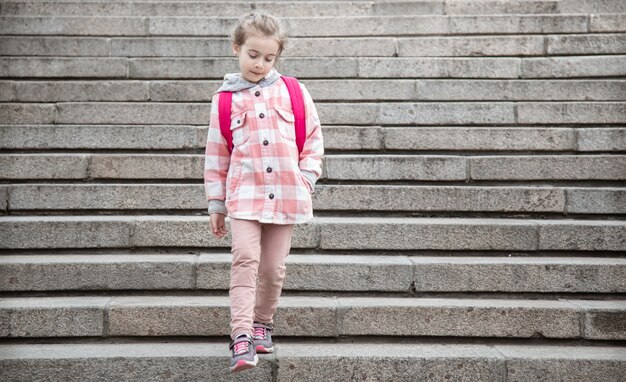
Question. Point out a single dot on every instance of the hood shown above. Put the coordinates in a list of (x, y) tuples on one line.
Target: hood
[(234, 82)]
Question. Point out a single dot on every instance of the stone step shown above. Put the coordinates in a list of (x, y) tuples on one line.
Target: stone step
[(374, 168), (508, 45), (117, 316), (330, 273), (280, 8), (365, 113), (312, 360), (316, 26), (326, 233), (365, 198), (325, 67), (322, 90), (415, 138)]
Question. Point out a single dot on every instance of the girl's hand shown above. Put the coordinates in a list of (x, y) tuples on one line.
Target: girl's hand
[(218, 226)]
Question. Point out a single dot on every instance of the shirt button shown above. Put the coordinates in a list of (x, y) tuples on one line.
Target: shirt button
[(261, 115), (265, 143), (269, 169), (257, 93), (271, 196)]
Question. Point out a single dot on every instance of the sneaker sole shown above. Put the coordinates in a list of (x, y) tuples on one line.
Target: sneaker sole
[(263, 349), (244, 365)]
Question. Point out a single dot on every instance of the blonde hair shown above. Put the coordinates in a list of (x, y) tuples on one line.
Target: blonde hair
[(259, 23)]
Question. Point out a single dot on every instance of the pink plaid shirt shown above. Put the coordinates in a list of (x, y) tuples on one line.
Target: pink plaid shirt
[(264, 179)]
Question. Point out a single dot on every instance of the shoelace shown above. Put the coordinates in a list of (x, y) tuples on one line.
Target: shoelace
[(260, 332), (241, 347)]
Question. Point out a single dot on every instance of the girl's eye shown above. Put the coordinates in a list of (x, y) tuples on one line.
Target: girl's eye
[(270, 60), (251, 56)]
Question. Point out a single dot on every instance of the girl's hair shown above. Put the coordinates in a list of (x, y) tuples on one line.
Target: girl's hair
[(259, 23)]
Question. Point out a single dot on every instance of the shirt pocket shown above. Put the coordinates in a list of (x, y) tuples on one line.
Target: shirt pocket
[(286, 123), (240, 130)]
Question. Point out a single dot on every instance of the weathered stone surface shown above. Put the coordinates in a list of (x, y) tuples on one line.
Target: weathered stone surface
[(342, 25), (55, 46), (459, 317), (586, 200), (80, 362), (187, 8), (582, 235), (478, 138), (4, 198), (540, 167), (592, 6), (607, 23), (471, 46), (107, 67), (500, 6), (107, 197), (320, 272), (96, 272), (562, 363), (194, 231), (456, 67), (101, 136), (520, 90), (170, 47), (168, 316), (388, 167), (604, 320), (25, 113), (516, 24), (446, 113), (348, 273), (387, 362), (437, 198), (604, 139), (184, 90), (305, 316), (7, 91), (43, 166), (427, 233), (342, 47), (59, 91), (519, 274), (52, 316), (203, 68), (566, 67), (64, 231), (146, 166), (133, 113), (568, 113), (73, 26), (210, 315), (352, 138), (586, 44)]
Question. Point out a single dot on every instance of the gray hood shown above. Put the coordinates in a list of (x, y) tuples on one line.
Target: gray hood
[(234, 82)]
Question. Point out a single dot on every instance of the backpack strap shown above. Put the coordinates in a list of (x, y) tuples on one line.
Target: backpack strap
[(224, 114), (297, 105)]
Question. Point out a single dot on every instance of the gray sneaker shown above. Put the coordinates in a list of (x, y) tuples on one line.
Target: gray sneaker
[(263, 337), (243, 353)]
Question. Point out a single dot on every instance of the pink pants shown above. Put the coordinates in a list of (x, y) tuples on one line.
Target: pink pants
[(258, 249)]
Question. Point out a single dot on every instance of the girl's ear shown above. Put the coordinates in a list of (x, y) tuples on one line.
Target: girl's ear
[(235, 49)]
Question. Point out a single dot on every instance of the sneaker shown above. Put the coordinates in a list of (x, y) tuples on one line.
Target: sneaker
[(263, 337), (243, 353)]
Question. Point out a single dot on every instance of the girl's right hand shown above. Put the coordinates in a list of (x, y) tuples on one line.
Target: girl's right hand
[(218, 225)]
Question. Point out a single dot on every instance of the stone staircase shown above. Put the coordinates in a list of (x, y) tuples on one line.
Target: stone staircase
[(470, 222)]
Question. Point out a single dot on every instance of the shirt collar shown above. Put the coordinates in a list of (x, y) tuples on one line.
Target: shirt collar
[(234, 82)]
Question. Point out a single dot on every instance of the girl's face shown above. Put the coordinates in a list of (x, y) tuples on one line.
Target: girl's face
[(256, 56)]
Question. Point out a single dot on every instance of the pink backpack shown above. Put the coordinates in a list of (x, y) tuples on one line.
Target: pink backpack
[(297, 104)]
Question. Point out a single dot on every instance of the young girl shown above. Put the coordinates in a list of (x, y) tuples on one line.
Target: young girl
[(264, 186)]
